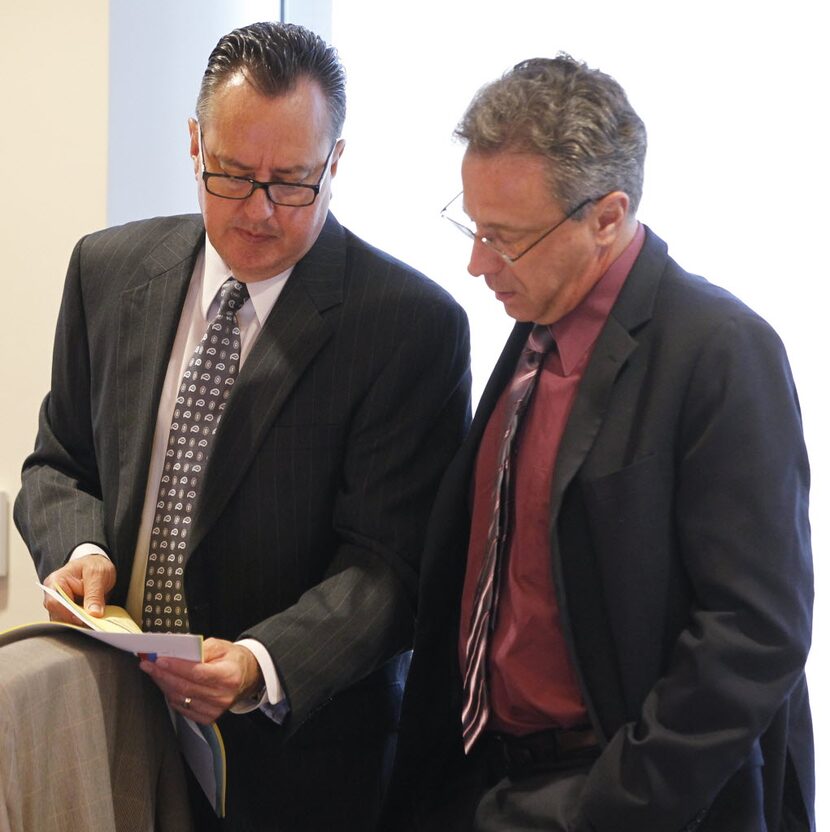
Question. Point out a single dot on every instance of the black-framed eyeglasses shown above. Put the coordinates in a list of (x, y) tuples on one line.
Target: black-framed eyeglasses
[(293, 194), (453, 212)]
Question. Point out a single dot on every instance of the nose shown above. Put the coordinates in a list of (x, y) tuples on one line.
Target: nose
[(257, 206), (483, 260)]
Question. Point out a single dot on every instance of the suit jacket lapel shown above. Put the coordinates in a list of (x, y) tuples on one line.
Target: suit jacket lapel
[(575, 573), (291, 337), (615, 344), (147, 323), (460, 472)]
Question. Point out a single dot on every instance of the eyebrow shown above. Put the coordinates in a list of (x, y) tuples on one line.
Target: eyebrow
[(501, 228), (298, 171), (498, 227)]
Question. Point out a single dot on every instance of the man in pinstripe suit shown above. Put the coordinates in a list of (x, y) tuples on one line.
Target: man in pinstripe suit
[(352, 395)]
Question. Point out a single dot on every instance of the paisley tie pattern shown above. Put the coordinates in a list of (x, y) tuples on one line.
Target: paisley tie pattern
[(203, 393)]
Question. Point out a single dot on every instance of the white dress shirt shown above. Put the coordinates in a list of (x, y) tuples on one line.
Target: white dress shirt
[(200, 306)]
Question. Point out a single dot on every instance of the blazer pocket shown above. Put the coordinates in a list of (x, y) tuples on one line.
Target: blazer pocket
[(629, 513), (634, 481)]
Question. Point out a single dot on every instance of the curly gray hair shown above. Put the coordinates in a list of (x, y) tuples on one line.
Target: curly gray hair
[(576, 117)]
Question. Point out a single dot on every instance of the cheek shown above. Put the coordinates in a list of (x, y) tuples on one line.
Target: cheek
[(218, 215), (533, 285), (298, 224)]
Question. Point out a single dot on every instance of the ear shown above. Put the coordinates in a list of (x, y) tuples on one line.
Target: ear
[(335, 156), (193, 128), (611, 217)]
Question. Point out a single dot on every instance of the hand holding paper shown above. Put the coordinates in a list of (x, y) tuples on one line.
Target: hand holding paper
[(228, 673), (119, 630), (90, 577)]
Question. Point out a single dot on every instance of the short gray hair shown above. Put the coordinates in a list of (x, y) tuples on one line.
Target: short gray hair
[(578, 118), (273, 57)]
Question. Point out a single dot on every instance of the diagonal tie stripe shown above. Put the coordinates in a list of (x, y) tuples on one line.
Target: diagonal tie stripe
[(476, 704), (203, 392)]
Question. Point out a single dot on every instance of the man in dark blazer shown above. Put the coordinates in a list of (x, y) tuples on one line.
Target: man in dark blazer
[(643, 660), (352, 396)]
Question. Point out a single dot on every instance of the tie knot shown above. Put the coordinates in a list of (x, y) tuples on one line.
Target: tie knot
[(540, 340), (233, 296)]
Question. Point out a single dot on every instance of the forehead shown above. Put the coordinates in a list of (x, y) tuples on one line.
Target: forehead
[(242, 123), (506, 186)]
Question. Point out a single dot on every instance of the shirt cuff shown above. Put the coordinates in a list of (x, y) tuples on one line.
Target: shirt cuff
[(84, 549), (271, 701)]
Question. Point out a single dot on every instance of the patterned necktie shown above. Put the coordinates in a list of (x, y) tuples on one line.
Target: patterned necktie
[(204, 390), (476, 705)]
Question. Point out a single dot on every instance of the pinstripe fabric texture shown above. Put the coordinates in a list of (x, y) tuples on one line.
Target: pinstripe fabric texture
[(476, 706), (87, 743), (309, 528)]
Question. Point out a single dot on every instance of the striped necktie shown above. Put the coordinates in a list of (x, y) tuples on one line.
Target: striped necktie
[(476, 706)]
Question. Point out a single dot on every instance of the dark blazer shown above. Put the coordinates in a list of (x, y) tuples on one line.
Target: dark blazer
[(308, 534), (680, 549)]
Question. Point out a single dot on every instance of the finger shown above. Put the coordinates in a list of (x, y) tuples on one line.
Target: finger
[(57, 612), (66, 579), (178, 667), (215, 648), (211, 700), (195, 708), (217, 677), (234, 665), (98, 579), (176, 687), (71, 586)]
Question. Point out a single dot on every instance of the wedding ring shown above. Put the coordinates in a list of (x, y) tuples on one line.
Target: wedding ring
[(186, 702)]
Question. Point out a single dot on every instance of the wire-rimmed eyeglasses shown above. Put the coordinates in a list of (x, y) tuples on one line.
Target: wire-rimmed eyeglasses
[(293, 194), (453, 212)]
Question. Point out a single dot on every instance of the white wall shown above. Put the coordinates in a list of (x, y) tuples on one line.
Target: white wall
[(159, 52), (734, 96), (53, 147)]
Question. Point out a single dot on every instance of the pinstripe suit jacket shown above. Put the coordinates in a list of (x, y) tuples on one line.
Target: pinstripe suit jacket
[(308, 531)]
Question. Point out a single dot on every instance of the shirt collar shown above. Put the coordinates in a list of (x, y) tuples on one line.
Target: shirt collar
[(577, 331), (263, 293)]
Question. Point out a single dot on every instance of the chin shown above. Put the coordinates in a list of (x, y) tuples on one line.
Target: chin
[(519, 315), (249, 269)]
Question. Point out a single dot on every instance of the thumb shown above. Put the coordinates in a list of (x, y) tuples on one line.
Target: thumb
[(94, 596)]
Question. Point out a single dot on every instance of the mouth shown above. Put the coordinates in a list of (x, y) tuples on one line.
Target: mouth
[(254, 237), (501, 294)]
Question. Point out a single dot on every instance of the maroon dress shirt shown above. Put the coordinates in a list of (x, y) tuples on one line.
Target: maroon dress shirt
[(532, 682)]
